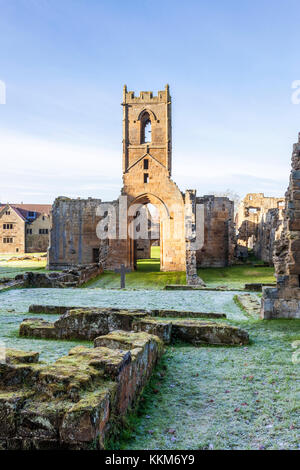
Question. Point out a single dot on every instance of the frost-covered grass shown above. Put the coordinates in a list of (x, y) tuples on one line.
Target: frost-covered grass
[(196, 301), (223, 397), (198, 397), (14, 308), (9, 269), (50, 350)]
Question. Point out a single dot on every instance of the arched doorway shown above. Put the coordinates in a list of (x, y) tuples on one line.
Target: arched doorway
[(148, 220), (147, 247)]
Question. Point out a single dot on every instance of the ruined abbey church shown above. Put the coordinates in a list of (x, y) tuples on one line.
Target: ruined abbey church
[(181, 217)]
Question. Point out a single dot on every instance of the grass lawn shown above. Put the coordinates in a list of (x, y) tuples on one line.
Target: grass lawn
[(236, 398), (148, 275), (236, 276)]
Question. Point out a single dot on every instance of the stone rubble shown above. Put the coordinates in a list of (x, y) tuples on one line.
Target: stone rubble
[(73, 277)]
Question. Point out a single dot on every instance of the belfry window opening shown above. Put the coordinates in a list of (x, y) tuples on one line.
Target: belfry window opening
[(146, 131)]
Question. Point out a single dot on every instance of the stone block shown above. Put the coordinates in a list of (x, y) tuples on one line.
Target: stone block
[(197, 332), (37, 328), (161, 329)]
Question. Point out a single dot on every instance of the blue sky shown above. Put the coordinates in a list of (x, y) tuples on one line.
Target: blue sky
[(230, 66)]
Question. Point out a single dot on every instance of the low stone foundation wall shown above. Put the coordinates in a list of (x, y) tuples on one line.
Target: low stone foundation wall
[(75, 402), (196, 332), (88, 323), (6, 284), (60, 310), (249, 303), (258, 286), (81, 323), (74, 277)]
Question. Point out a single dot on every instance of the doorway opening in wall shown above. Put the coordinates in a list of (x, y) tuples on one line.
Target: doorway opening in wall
[(147, 251), (96, 255)]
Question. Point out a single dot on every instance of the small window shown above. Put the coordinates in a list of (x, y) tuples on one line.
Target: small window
[(146, 164), (7, 212), (29, 231), (146, 178), (17, 250), (43, 231)]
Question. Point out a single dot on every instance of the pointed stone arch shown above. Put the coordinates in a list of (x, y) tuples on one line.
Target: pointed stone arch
[(147, 111)]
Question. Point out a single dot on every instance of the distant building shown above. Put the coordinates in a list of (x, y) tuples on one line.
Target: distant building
[(24, 228)]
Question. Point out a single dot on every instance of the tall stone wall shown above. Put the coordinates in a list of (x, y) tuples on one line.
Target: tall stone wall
[(73, 237), (259, 223), (147, 173), (219, 232), (284, 300), (268, 231), (191, 238)]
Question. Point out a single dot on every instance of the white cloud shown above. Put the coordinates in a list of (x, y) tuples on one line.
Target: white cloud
[(38, 170)]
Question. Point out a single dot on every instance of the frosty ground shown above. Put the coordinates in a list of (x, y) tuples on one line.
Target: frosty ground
[(199, 397)]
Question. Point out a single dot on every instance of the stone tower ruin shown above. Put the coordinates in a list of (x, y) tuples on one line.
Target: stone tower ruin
[(147, 182), (147, 162)]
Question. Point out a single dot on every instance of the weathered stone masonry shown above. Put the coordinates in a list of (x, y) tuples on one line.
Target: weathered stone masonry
[(219, 232), (88, 323), (77, 401), (284, 300), (259, 223), (73, 237)]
